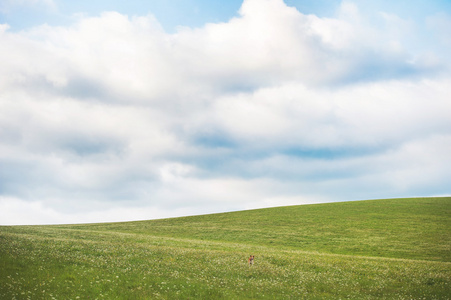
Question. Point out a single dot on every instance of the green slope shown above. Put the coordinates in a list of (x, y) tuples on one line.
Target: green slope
[(381, 249), (414, 228)]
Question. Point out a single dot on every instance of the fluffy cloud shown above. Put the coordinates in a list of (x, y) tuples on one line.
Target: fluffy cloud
[(112, 118)]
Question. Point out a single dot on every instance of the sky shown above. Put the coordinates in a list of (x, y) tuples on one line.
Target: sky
[(121, 111)]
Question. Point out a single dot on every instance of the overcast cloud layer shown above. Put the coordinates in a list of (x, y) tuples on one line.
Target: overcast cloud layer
[(113, 118)]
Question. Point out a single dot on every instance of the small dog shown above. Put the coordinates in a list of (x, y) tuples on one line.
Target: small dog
[(251, 260)]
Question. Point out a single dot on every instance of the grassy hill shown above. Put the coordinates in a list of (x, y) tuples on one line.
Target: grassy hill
[(378, 249)]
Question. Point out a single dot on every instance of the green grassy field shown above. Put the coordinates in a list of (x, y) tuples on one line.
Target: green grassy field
[(379, 249)]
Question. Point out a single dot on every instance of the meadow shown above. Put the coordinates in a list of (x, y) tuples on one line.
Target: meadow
[(378, 249)]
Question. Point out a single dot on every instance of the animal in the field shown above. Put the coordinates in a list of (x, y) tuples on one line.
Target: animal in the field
[(251, 260)]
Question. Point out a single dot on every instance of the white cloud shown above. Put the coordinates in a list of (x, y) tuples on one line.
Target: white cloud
[(366, 115), (274, 107)]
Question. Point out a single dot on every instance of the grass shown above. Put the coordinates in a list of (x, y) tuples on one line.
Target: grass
[(381, 249)]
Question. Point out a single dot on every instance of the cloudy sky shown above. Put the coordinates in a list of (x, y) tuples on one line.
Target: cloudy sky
[(130, 110)]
